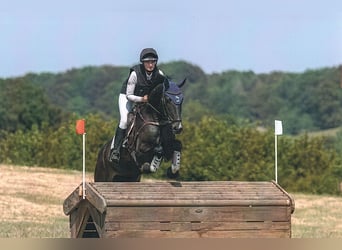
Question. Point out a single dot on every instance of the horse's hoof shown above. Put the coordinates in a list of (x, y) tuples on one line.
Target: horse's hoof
[(145, 168), (171, 175)]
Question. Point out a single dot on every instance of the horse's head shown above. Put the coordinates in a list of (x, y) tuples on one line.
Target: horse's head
[(172, 102), (170, 105)]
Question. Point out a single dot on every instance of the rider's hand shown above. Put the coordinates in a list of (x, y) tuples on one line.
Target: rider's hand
[(145, 98)]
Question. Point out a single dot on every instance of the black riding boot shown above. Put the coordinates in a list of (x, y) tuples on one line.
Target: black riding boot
[(115, 151)]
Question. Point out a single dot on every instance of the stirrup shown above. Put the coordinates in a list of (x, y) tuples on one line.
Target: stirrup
[(114, 155)]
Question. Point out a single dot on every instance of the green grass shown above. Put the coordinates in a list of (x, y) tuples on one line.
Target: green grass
[(328, 132), (317, 216), (38, 199), (57, 228)]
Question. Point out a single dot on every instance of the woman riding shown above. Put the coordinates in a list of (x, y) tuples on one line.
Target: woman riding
[(136, 89)]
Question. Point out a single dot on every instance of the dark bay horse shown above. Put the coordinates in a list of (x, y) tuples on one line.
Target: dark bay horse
[(151, 130)]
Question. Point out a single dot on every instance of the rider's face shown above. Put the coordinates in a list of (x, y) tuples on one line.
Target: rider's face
[(150, 65)]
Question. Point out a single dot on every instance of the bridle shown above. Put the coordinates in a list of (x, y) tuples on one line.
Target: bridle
[(166, 117)]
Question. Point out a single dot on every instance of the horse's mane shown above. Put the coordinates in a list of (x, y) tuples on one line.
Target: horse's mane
[(157, 93)]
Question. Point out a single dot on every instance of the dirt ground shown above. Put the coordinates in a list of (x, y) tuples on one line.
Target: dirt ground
[(35, 193)]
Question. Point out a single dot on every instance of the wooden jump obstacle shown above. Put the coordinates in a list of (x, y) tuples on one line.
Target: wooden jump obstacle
[(217, 209)]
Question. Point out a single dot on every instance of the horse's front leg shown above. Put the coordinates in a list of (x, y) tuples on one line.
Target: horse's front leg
[(150, 148), (176, 159), (173, 171), (152, 167), (157, 158)]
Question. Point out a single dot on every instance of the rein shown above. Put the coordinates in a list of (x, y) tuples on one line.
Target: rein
[(164, 114)]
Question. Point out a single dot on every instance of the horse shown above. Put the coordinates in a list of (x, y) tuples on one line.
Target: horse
[(151, 131)]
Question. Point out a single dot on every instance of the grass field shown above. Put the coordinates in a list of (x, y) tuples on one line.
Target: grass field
[(31, 201), (327, 132)]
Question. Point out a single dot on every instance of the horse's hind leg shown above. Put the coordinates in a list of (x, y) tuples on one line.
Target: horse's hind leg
[(103, 171), (100, 172)]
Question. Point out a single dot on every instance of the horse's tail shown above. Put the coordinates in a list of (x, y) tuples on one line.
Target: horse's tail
[(103, 170)]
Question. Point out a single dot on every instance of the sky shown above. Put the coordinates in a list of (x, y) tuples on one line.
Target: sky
[(217, 35)]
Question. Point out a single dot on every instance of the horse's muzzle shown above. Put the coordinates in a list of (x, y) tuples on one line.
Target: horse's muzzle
[(177, 127)]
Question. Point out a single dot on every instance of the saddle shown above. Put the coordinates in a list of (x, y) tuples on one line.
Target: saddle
[(133, 131)]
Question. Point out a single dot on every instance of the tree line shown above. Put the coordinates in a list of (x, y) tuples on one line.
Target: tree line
[(307, 101)]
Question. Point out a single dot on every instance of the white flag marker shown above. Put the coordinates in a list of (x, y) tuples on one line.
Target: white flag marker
[(278, 127), (278, 130)]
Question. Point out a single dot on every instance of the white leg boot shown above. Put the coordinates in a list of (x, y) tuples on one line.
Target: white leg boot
[(176, 162), (155, 164)]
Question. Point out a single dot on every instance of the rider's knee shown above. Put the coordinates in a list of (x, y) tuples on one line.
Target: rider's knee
[(123, 124)]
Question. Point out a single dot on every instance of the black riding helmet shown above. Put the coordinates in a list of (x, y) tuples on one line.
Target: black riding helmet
[(148, 54)]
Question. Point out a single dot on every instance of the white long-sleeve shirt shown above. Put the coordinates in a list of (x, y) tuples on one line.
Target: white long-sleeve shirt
[(132, 82)]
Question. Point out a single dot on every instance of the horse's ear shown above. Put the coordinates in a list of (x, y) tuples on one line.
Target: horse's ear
[(182, 83), (166, 84)]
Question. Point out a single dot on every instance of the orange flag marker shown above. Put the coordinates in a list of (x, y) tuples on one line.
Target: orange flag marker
[(80, 127)]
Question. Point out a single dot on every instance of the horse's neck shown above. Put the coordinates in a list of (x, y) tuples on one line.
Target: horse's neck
[(149, 113)]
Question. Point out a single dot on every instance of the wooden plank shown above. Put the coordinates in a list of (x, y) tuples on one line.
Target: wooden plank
[(98, 219), (222, 192), (235, 226), (287, 194), (185, 187), (199, 234), (177, 184), (163, 189), (95, 198), (191, 202), (141, 197), (148, 225), (222, 214), (78, 217), (73, 224), (90, 230), (92, 195), (193, 195), (72, 201), (195, 226)]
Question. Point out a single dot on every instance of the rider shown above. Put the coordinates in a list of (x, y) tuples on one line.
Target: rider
[(142, 79)]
